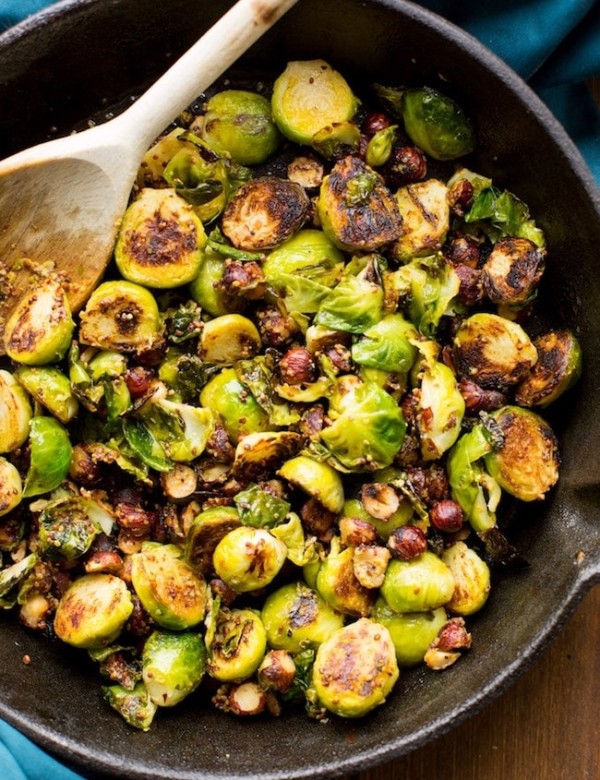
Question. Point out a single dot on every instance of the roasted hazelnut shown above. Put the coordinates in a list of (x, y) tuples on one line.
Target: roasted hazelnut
[(430, 484), (447, 516), (369, 564), (478, 399), (454, 636), (84, 469), (380, 500), (462, 250), (340, 357), (406, 164), (354, 531), (471, 284), (138, 380), (374, 122), (297, 367), (277, 671), (461, 196), (107, 561), (407, 542)]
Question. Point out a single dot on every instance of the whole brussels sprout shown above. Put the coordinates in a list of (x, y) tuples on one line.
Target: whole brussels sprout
[(40, 327), (296, 617), (240, 123), (93, 611), (309, 95), (248, 558), (417, 585), (230, 401), (513, 270), (50, 456), (160, 240), (172, 666), (15, 413), (471, 577), (238, 646), (355, 669), (169, 589), (411, 632), (527, 463)]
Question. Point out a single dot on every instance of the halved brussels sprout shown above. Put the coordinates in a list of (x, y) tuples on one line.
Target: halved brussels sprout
[(471, 578), (121, 315), (296, 617), (15, 413), (50, 388), (309, 95), (513, 270), (336, 140), (411, 632), (172, 666), (355, 669), (67, 528), (493, 351), (248, 558), (356, 209), (259, 454), (425, 212), (11, 487), (204, 287), (437, 123), (93, 611), (417, 585), (367, 428), (135, 705), (50, 456), (387, 345), (558, 367), (232, 402), (336, 582), (205, 532), (40, 327), (229, 338), (238, 646), (264, 213), (240, 123), (168, 587), (319, 480), (160, 240), (527, 463)]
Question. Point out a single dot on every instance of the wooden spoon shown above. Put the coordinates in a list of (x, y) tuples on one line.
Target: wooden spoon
[(61, 202)]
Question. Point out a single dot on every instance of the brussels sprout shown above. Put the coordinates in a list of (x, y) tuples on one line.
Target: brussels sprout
[(258, 454), (310, 254), (411, 632), (425, 212), (356, 210), (356, 303), (336, 140), (15, 413), (238, 646), (11, 487), (12, 577), (50, 388), (229, 338), (93, 611), (367, 428), (67, 528), (380, 146), (168, 587), (437, 124), (309, 95), (40, 327), (172, 666), (387, 345), (240, 123), (260, 508), (300, 547), (317, 479), (144, 444), (354, 508), (337, 584), (493, 351), (355, 669), (471, 486), (248, 558), (204, 287), (121, 315), (527, 463), (50, 456), (135, 705), (264, 213), (237, 408), (471, 579), (205, 532), (308, 392), (296, 617), (513, 270), (500, 213), (417, 585), (160, 240), (558, 367)]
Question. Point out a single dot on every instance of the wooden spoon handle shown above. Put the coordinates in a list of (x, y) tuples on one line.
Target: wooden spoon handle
[(200, 66)]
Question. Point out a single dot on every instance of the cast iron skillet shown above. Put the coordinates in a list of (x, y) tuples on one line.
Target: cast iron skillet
[(75, 59)]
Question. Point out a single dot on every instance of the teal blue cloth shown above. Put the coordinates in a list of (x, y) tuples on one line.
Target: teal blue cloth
[(553, 44)]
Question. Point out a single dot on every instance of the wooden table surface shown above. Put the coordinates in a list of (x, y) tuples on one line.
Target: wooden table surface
[(545, 727)]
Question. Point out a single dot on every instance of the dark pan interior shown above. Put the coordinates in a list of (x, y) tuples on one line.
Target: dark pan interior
[(82, 56)]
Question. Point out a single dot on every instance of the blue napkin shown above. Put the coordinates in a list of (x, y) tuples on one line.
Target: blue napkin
[(553, 44)]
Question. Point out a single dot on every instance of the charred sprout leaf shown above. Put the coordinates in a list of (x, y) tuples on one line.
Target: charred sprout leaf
[(504, 214), (50, 457), (499, 551), (183, 323), (259, 508), (145, 445), (134, 706), (437, 124), (218, 243)]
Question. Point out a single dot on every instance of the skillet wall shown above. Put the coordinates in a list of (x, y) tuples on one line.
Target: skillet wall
[(82, 57)]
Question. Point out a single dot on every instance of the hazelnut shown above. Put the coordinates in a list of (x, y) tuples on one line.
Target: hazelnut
[(407, 542), (461, 196), (447, 516), (297, 367), (478, 399), (406, 164), (374, 122)]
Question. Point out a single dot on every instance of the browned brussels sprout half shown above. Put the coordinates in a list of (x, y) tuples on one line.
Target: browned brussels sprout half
[(513, 270), (15, 413), (356, 209), (557, 369)]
